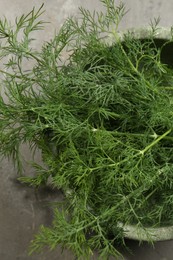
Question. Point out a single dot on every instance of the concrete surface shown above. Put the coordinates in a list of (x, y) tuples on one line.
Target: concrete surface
[(22, 210)]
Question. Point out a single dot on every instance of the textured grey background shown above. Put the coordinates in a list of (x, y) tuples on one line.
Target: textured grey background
[(21, 209)]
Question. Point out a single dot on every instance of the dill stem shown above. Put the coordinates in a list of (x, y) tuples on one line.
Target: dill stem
[(154, 136), (167, 87), (140, 152), (14, 76), (132, 66), (155, 142)]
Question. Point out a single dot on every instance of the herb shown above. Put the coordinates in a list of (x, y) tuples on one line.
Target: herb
[(103, 121)]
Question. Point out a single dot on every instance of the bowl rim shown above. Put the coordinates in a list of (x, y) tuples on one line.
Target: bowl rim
[(152, 234), (140, 33)]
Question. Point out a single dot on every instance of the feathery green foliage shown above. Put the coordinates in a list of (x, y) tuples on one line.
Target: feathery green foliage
[(103, 121)]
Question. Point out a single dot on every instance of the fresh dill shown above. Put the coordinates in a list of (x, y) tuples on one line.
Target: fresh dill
[(103, 121)]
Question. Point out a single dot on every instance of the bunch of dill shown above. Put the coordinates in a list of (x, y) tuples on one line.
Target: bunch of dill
[(103, 121)]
